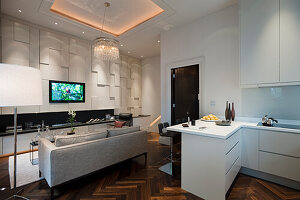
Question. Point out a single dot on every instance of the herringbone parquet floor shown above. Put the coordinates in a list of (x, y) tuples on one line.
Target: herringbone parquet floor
[(132, 180)]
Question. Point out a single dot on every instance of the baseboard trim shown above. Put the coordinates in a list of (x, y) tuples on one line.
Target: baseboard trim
[(272, 178)]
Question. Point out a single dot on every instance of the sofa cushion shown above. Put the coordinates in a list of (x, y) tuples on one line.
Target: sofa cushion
[(61, 140), (95, 136), (120, 131)]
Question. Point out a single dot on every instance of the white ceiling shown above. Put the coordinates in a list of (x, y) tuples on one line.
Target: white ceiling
[(121, 15), (139, 41)]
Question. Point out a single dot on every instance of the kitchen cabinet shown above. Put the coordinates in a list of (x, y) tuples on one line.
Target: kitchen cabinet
[(289, 40), (279, 154), (259, 29), (270, 43), (283, 143), (279, 165), (249, 140), (209, 165)]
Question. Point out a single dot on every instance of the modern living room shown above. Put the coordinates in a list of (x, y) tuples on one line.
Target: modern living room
[(149, 99)]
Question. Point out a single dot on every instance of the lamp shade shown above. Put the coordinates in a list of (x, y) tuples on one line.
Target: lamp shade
[(20, 86)]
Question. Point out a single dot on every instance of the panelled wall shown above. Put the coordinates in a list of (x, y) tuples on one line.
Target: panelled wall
[(109, 85)]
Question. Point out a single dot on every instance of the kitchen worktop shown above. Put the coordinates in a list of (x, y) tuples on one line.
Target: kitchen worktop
[(223, 132)]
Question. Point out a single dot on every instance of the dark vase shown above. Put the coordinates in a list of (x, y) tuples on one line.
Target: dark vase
[(226, 111), (229, 113), (232, 112), (71, 133)]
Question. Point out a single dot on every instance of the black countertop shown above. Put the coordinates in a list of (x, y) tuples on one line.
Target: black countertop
[(139, 116), (54, 127)]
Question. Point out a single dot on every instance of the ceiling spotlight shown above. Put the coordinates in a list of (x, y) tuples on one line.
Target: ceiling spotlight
[(55, 23), (19, 10), (2, 189), (158, 41), (121, 45), (82, 32), (142, 56), (128, 51)]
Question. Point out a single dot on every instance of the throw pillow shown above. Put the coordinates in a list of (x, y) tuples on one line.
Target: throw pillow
[(119, 124), (121, 131)]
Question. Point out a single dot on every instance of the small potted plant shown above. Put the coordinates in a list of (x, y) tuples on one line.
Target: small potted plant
[(71, 120)]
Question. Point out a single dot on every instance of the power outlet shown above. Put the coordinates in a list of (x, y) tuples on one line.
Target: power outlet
[(212, 103)]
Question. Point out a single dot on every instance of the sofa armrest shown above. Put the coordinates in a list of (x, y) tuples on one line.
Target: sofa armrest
[(45, 149)]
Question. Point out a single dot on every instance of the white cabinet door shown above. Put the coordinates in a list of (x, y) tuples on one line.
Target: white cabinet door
[(289, 40), (250, 148), (280, 143), (279, 165), (259, 24)]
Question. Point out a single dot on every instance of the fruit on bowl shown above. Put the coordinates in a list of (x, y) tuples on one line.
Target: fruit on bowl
[(210, 117)]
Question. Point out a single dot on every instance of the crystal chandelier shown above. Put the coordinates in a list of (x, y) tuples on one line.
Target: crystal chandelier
[(106, 48)]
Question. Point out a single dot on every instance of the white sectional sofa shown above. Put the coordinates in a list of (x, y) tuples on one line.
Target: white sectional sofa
[(75, 156)]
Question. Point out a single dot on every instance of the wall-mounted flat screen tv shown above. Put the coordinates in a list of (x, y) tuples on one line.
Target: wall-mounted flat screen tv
[(66, 92)]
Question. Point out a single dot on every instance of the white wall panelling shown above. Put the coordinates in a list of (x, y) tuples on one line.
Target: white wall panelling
[(21, 32), (64, 57), (34, 46)]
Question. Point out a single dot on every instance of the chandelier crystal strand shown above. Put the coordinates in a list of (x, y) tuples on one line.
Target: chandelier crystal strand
[(106, 48)]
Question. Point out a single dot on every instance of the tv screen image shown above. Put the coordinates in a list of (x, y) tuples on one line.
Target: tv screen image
[(65, 92)]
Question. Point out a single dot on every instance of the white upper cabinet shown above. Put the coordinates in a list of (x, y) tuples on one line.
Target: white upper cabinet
[(289, 40), (259, 26)]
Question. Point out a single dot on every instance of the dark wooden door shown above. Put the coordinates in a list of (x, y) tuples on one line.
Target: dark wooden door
[(185, 90)]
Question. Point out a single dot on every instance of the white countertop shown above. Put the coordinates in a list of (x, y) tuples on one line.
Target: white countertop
[(223, 132)]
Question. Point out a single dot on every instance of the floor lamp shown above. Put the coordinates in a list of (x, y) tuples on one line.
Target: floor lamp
[(19, 86)]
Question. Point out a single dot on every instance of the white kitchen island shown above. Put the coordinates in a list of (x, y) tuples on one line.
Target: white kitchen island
[(211, 157)]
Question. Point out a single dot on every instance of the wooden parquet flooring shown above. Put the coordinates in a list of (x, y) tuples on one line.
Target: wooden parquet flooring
[(132, 180)]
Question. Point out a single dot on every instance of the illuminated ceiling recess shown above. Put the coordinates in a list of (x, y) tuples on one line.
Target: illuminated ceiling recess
[(123, 15), (106, 48)]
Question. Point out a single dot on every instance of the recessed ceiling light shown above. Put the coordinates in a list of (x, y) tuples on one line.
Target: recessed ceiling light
[(121, 45), (55, 23), (158, 41), (128, 51), (19, 10), (82, 32), (142, 56), (2, 189)]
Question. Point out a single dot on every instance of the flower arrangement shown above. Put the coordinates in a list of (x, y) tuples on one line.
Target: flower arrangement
[(71, 120)]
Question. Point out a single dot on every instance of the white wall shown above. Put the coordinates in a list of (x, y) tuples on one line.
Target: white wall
[(215, 38), (151, 89), (59, 56)]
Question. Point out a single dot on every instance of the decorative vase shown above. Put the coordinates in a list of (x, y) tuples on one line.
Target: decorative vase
[(229, 113), (232, 112), (226, 111)]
